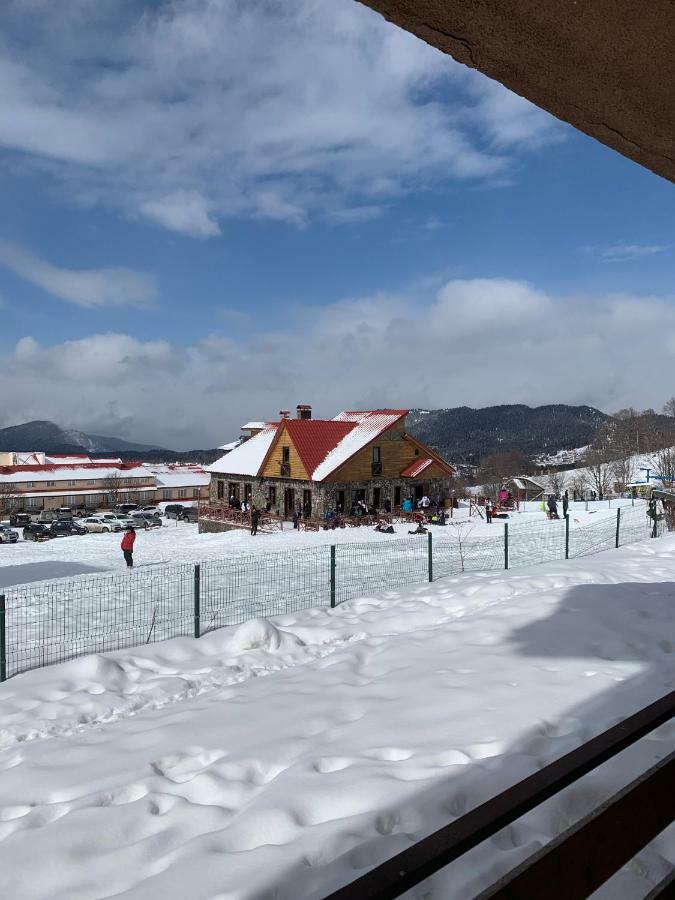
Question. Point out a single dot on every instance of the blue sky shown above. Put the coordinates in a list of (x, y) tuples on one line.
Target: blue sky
[(214, 210)]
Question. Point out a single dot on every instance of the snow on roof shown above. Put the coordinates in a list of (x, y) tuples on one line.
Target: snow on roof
[(251, 425), (416, 468), (315, 438), (247, 458), (84, 472), (369, 424), (228, 447), (190, 478)]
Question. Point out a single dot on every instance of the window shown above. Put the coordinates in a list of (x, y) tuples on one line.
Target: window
[(30, 484), (91, 499), (233, 490), (72, 483), (70, 501), (195, 492), (247, 492), (397, 496), (286, 462), (286, 454), (377, 461), (33, 501), (182, 492), (272, 495), (49, 483), (377, 498), (166, 494), (91, 481)]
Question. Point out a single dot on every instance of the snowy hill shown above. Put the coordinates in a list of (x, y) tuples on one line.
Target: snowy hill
[(47, 436)]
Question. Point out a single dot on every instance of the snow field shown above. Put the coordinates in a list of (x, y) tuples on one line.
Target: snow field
[(281, 759), (53, 621)]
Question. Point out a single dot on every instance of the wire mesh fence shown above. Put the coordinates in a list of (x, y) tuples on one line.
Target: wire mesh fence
[(49, 622)]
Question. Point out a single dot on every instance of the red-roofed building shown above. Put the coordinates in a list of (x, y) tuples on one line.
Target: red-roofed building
[(316, 465)]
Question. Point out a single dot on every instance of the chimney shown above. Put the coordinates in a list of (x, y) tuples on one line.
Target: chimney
[(285, 413), (303, 411)]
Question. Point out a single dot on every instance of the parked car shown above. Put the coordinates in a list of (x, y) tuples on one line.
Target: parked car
[(37, 531), (174, 510), (145, 520), (81, 512), (125, 508), (64, 512), (97, 524), (47, 515), (153, 510), (116, 522), (66, 527), (7, 536), (19, 519), (190, 514)]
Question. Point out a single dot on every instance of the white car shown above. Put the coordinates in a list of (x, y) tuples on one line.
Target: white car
[(117, 520), (152, 510), (98, 523)]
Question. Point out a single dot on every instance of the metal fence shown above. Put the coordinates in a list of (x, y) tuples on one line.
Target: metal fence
[(49, 622)]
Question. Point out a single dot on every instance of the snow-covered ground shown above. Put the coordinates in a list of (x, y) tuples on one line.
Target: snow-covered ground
[(179, 542), (282, 759)]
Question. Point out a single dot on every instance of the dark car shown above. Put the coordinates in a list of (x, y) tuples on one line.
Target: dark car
[(37, 531), (7, 536), (19, 519), (125, 508), (66, 527), (189, 514), (174, 510)]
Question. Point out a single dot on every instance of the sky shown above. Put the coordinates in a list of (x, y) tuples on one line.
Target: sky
[(215, 209)]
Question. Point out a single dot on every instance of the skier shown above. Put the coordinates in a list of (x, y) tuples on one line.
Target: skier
[(127, 546), (488, 511), (295, 518), (255, 518), (552, 507)]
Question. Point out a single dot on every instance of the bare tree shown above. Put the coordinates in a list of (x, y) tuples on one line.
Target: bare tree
[(598, 461), (557, 482), (669, 407), (112, 486), (9, 498), (664, 463), (623, 470)]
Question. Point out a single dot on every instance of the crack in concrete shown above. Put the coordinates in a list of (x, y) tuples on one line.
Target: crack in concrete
[(455, 37)]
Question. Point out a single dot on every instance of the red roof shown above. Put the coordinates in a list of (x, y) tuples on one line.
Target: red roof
[(416, 467), (315, 438)]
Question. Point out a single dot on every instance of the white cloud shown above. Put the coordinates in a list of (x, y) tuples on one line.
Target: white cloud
[(89, 288), (625, 252), (191, 112), (472, 342)]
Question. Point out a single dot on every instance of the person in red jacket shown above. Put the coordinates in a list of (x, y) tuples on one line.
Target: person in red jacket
[(128, 546)]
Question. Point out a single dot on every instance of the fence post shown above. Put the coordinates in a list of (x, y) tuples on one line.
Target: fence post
[(332, 576), (506, 545), (567, 536), (3, 642), (197, 596), (587, 506), (618, 525), (431, 557)]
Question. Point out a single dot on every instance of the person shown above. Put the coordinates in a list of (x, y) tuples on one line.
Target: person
[(488, 511), (387, 505), (420, 529), (552, 507), (441, 516), (566, 503), (127, 546), (295, 518), (255, 518), (384, 527), (407, 505)]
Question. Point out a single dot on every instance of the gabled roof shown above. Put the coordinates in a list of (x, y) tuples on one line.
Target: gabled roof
[(369, 424), (247, 458), (416, 467), (314, 439)]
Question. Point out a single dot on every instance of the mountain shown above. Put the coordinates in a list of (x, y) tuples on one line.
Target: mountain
[(463, 434), (51, 438)]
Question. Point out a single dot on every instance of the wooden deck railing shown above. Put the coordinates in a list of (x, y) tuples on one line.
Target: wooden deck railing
[(574, 864)]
